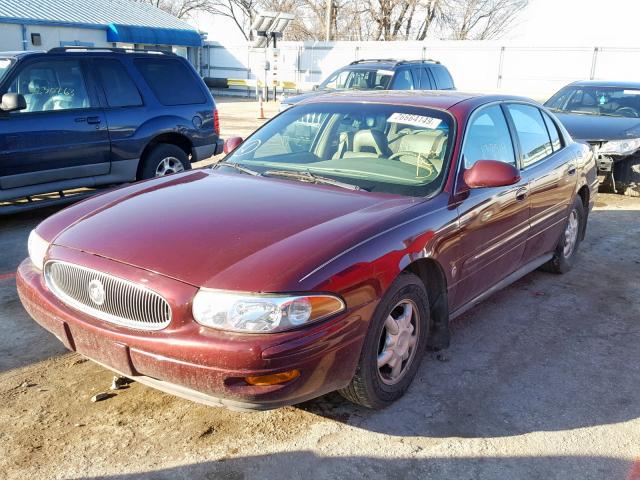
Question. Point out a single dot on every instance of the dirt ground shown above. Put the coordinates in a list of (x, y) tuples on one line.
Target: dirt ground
[(542, 381)]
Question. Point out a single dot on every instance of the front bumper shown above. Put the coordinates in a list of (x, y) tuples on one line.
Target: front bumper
[(197, 363)]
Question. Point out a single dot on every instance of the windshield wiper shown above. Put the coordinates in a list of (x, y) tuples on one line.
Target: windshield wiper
[(310, 178), (238, 167)]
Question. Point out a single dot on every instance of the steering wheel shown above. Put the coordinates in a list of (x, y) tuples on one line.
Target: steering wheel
[(627, 112), (418, 156)]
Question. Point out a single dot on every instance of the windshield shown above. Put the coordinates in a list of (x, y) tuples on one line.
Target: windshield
[(588, 100), (378, 148), (358, 79), (5, 64)]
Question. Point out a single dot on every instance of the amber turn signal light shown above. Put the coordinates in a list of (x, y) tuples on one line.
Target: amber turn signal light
[(274, 379)]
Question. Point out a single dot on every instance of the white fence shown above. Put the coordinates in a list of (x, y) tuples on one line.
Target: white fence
[(475, 65)]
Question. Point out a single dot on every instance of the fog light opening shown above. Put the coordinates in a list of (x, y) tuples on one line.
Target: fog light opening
[(273, 379)]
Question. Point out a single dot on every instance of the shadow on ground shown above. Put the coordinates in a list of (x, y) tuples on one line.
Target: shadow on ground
[(295, 465)]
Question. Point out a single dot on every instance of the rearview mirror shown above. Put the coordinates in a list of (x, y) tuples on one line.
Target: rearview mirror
[(12, 102), (491, 173), (230, 144)]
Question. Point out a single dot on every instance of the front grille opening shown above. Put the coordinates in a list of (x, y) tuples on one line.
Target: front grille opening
[(107, 297)]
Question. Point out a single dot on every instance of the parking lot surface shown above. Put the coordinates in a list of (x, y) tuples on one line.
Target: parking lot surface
[(541, 381)]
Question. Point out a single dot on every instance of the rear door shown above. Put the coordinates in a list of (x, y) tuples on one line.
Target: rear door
[(494, 222), (550, 170), (62, 134)]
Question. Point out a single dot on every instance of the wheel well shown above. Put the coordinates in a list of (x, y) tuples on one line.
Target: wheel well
[(176, 139), (435, 282)]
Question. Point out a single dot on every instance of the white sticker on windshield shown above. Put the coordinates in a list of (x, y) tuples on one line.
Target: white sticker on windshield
[(415, 120), (631, 92), (385, 72), (4, 63)]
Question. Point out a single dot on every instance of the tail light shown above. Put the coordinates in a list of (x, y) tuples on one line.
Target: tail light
[(216, 122)]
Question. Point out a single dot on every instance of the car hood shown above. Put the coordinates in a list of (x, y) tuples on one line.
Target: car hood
[(599, 127), (228, 230)]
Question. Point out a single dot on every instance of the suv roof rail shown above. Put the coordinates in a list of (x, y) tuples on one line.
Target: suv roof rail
[(80, 48), (362, 60), (419, 61)]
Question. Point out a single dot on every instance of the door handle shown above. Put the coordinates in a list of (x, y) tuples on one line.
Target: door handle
[(521, 194), (93, 120)]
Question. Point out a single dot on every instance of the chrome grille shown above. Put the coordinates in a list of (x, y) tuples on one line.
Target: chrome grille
[(114, 300)]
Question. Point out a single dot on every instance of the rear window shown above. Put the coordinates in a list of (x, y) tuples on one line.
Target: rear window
[(171, 81), (442, 77), (118, 86)]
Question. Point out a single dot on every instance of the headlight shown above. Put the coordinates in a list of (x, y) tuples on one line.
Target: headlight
[(254, 313), (284, 106), (620, 147), (37, 247)]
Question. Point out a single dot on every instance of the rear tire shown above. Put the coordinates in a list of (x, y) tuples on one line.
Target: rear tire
[(394, 345), (164, 159), (564, 255)]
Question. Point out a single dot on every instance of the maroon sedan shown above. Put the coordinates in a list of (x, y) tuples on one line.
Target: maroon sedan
[(327, 252)]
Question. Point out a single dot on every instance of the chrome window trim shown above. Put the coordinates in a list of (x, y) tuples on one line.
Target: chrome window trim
[(113, 319)]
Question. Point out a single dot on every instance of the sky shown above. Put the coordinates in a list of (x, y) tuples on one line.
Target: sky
[(543, 22)]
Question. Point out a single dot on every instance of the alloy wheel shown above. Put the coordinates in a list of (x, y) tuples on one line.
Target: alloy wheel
[(397, 344), (571, 234), (168, 166)]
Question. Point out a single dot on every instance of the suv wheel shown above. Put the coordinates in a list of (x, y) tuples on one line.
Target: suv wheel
[(164, 159), (394, 345)]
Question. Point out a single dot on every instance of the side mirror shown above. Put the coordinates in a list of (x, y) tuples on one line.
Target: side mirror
[(230, 144), (12, 102), (315, 87), (491, 173)]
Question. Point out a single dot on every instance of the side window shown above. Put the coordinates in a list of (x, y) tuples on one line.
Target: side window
[(403, 80), (556, 143), (425, 81), (488, 138), (535, 143), (442, 77), (417, 76), (171, 81), (52, 85), (118, 86)]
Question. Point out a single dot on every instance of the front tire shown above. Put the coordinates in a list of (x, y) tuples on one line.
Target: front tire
[(394, 345), (564, 255), (164, 159)]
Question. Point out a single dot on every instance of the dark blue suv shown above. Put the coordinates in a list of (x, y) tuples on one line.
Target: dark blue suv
[(79, 118)]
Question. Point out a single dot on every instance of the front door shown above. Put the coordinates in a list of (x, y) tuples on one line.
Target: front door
[(61, 135), (494, 222)]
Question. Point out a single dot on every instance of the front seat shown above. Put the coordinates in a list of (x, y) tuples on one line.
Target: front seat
[(38, 94), (428, 144), (369, 143)]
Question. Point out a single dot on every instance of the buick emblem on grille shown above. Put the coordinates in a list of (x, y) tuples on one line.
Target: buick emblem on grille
[(96, 292)]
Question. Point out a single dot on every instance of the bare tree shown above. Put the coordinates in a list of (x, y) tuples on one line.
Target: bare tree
[(480, 19), (179, 8)]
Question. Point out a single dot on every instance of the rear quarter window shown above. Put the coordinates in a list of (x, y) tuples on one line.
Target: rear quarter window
[(172, 82), (119, 89), (442, 77)]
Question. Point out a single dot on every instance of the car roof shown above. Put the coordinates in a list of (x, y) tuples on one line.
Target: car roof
[(606, 83), (85, 51), (440, 99), (385, 63), (17, 54)]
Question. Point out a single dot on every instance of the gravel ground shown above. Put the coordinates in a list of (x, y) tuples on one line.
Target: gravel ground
[(541, 381)]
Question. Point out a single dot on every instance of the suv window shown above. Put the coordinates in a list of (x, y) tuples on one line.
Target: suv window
[(49, 85), (425, 81), (535, 143), (5, 65), (119, 89), (442, 77), (171, 81), (403, 80), (488, 138), (556, 143)]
